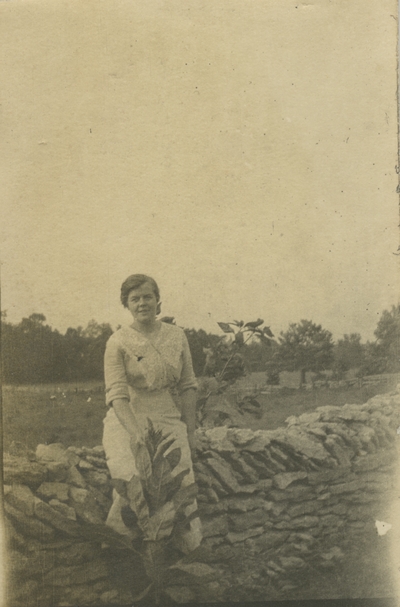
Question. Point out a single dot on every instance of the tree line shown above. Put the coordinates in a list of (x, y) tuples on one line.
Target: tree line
[(34, 352)]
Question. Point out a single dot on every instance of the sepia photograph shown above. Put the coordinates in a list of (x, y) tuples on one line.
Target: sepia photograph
[(200, 311)]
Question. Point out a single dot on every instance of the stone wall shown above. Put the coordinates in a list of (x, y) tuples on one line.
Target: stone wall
[(277, 508)]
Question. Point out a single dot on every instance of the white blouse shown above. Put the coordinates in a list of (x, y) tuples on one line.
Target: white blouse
[(159, 361)]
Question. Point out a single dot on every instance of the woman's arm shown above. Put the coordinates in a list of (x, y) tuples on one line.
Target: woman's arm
[(187, 388), (188, 400), (117, 392), (125, 415)]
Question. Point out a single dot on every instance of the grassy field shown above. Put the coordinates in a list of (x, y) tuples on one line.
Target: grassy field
[(68, 413), (73, 413)]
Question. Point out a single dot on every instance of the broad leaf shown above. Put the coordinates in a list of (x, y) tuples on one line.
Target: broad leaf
[(161, 523), (170, 320), (225, 327), (163, 447), (254, 324), (156, 486), (267, 331), (119, 485), (155, 562), (183, 523), (175, 484), (137, 502), (266, 340), (145, 592), (153, 438), (174, 457), (142, 460), (185, 496)]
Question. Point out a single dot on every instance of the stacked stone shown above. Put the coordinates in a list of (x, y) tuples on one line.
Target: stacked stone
[(56, 502), (285, 502)]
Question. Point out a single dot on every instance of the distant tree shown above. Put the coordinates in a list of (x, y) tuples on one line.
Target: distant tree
[(31, 351), (199, 342), (257, 356), (74, 352), (95, 339), (348, 353), (384, 354), (305, 346)]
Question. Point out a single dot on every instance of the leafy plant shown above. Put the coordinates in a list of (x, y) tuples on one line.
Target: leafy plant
[(156, 506), (225, 363)]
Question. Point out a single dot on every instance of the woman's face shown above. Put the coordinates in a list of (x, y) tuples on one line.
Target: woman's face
[(142, 304)]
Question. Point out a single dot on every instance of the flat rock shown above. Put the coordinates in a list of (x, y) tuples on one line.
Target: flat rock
[(98, 479), (341, 454), (239, 465), (240, 436), (330, 520), (78, 495), (84, 465), (218, 439), (180, 594), (245, 504), (256, 464), (261, 440), (266, 541), (247, 520), (22, 498), (350, 487), (110, 596), (11, 535), (335, 554), (57, 471), (58, 491), (224, 475), (353, 413), (284, 479), (63, 509), (292, 562), (301, 522), (304, 443), (99, 450), (56, 452), (195, 571), (85, 505), (235, 537), (303, 508), (213, 508), (22, 471), (29, 526), (217, 525), (328, 475), (46, 513), (295, 493), (374, 461), (75, 478), (99, 462)]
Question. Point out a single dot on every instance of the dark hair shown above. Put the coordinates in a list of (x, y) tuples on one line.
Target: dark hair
[(134, 282)]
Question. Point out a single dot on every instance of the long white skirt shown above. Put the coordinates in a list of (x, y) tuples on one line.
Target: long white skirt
[(160, 408)]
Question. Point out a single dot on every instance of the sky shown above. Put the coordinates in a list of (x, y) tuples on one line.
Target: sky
[(242, 153)]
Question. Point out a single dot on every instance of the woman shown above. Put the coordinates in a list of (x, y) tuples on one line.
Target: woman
[(145, 363)]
